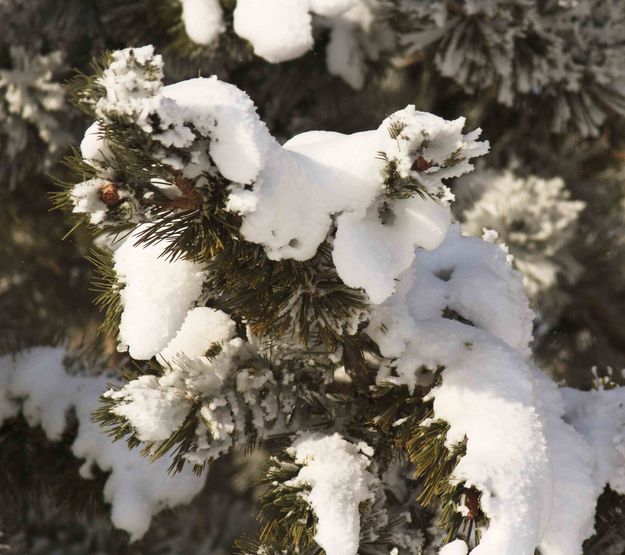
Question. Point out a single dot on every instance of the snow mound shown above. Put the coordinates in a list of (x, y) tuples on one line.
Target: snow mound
[(157, 294), (136, 489), (336, 472), (460, 310)]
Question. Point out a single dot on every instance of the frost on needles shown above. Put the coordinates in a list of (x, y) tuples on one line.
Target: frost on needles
[(319, 290)]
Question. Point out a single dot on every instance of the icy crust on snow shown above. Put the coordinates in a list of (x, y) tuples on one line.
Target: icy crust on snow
[(291, 197), (461, 309), (202, 20), (157, 295), (336, 471), (136, 489)]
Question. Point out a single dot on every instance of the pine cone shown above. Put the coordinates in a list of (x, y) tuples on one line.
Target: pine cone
[(109, 194), (421, 164)]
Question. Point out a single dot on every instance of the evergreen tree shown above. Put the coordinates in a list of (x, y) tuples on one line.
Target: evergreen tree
[(338, 332)]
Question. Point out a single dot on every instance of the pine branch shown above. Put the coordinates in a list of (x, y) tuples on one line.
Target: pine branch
[(241, 416), (434, 464), (107, 285)]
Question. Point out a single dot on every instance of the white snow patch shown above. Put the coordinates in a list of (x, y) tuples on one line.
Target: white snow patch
[(576, 483), (336, 471), (599, 416), (202, 328), (226, 114), (136, 488), (279, 30), (157, 294), (203, 20), (344, 56), (155, 413), (456, 547), (537, 486), (282, 30), (332, 8), (93, 146), (87, 200), (319, 176)]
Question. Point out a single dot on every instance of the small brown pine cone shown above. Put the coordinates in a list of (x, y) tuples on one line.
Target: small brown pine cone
[(109, 194), (421, 164), (472, 502)]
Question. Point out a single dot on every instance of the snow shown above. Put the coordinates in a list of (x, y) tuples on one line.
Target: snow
[(535, 217), (599, 416), (279, 30), (301, 187), (464, 274), (356, 36), (203, 20), (337, 473), (202, 328), (291, 197), (456, 547), (436, 140), (439, 303), (229, 394), (344, 56), (319, 176), (33, 99), (93, 147), (131, 83), (371, 255), (214, 107), (86, 199), (282, 30), (331, 8), (576, 484), (487, 397), (157, 293), (550, 40), (537, 487), (155, 413), (136, 489), (204, 106)]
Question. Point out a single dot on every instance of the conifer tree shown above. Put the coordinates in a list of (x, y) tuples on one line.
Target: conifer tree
[(342, 341)]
